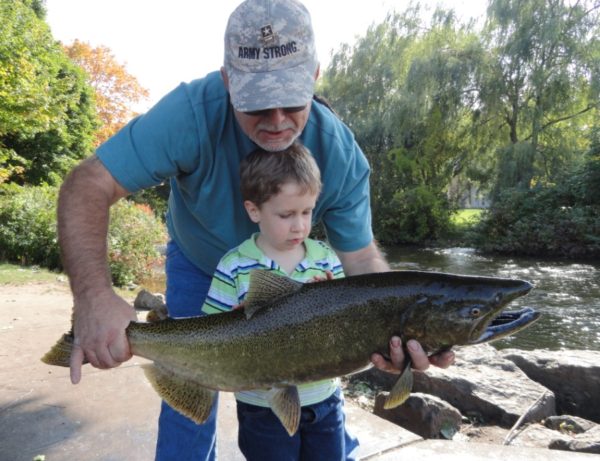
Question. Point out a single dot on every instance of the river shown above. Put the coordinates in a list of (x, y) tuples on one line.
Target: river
[(566, 293)]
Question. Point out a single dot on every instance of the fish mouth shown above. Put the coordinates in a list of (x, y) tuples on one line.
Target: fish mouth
[(507, 323)]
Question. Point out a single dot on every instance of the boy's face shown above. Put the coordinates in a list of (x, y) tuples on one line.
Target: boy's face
[(285, 219)]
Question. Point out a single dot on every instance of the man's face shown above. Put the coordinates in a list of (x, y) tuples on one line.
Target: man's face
[(274, 129)]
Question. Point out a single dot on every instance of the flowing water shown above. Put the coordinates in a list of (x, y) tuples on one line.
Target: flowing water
[(566, 293)]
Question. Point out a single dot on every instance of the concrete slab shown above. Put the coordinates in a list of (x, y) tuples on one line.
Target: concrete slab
[(443, 450)]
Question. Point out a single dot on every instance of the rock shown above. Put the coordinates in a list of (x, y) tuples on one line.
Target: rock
[(573, 376), (148, 301), (586, 442), (568, 424), (537, 435), (483, 382), (425, 415)]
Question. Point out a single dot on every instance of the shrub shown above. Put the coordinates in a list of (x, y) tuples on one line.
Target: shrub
[(549, 221), (133, 234), (28, 233), (414, 216), (28, 225)]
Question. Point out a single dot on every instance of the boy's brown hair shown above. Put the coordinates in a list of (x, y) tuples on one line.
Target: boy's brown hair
[(262, 173)]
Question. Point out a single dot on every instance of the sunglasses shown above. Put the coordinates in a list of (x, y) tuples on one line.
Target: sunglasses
[(265, 112)]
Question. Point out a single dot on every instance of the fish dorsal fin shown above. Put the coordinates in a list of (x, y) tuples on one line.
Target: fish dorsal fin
[(401, 390), (187, 397), (285, 403), (265, 286)]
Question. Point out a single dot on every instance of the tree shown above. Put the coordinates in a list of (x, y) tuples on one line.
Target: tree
[(46, 109), (406, 90), (117, 91), (539, 88)]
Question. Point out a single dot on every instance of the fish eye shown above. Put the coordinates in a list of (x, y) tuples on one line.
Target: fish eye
[(475, 312)]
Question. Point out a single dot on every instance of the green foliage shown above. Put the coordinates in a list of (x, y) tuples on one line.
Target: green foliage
[(28, 233), (437, 105), (28, 229), (133, 235), (47, 113), (413, 216), (402, 89), (537, 87), (156, 198), (559, 221)]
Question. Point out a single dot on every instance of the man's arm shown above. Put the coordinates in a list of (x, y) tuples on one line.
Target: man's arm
[(100, 316), (370, 259)]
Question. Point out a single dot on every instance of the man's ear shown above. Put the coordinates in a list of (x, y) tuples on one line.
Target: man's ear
[(226, 79), (252, 210), (317, 72)]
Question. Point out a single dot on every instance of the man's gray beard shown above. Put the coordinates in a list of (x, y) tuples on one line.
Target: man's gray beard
[(272, 148)]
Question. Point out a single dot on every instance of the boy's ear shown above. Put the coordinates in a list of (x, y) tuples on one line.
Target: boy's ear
[(252, 210)]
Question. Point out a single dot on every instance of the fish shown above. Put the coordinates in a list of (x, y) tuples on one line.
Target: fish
[(289, 333)]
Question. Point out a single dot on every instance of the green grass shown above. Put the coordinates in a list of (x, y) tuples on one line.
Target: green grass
[(466, 218), (15, 274)]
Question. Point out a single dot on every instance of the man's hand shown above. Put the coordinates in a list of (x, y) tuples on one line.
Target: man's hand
[(99, 330), (419, 358)]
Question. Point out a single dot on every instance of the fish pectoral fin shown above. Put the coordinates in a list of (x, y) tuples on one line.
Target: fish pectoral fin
[(285, 403), (187, 397), (265, 286), (401, 390)]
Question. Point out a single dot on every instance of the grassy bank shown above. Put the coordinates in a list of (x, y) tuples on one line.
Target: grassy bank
[(14, 274), (461, 228), (17, 275)]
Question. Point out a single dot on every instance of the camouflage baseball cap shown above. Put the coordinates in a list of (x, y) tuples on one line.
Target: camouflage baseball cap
[(270, 55)]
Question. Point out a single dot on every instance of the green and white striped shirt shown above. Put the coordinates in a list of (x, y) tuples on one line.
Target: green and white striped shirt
[(230, 284)]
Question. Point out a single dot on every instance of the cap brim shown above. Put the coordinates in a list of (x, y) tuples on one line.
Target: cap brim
[(291, 87)]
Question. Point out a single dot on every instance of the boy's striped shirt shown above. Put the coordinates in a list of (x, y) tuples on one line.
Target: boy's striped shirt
[(230, 285)]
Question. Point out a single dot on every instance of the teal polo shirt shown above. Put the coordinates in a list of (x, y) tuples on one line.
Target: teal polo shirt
[(192, 139)]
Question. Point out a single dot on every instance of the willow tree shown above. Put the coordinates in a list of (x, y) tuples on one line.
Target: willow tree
[(539, 87), (406, 89)]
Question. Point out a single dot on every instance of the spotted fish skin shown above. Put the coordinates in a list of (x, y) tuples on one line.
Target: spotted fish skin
[(289, 333)]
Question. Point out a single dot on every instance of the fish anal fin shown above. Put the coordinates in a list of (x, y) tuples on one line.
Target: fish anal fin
[(402, 388), (285, 403), (264, 287), (188, 398)]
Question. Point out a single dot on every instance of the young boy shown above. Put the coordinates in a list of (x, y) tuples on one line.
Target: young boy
[(280, 190)]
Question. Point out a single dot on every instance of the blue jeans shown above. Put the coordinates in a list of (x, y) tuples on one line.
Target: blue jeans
[(321, 436), (179, 438)]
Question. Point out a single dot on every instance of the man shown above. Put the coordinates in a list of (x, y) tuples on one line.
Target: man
[(195, 137)]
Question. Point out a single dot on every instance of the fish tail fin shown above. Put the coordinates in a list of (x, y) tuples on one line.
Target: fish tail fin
[(402, 388), (187, 397), (60, 354)]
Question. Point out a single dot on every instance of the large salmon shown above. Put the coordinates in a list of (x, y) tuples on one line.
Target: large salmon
[(289, 333)]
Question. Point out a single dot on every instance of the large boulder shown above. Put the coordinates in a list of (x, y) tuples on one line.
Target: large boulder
[(483, 383), (422, 414), (573, 376)]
